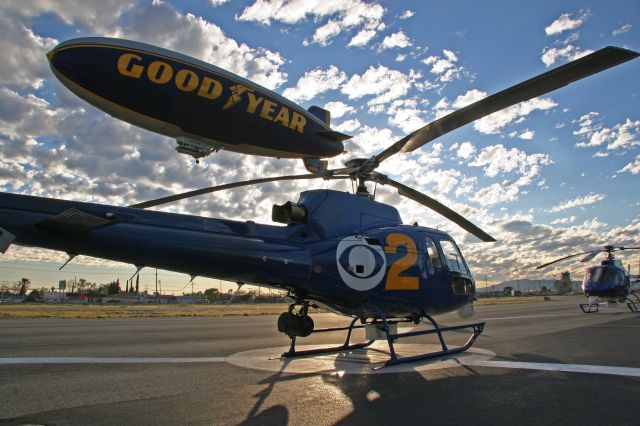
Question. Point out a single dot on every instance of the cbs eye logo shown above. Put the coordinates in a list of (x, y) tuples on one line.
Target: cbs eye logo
[(361, 265)]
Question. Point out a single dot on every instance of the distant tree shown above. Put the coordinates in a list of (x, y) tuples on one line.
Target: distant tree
[(138, 284), (35, 295), (544, 289), (82, 285), (507, 290), (114, 287), (24, 286), (563, 285), (213, 295)]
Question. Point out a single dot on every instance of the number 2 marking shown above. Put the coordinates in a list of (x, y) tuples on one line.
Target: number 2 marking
[(394, 280)]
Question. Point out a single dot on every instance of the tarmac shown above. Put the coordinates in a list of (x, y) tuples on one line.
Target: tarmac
[(536, 363)]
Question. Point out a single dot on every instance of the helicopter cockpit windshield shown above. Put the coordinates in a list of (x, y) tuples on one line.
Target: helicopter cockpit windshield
[(601, 274), (453, 257)]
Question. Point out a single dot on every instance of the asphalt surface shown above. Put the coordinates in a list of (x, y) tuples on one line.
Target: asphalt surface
[(195, 382)]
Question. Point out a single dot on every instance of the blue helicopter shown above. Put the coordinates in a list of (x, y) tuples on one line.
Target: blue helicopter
[(609, 281), (345, 252)]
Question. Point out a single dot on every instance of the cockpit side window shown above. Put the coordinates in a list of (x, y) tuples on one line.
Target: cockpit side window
[(432, 253), (453, 257)]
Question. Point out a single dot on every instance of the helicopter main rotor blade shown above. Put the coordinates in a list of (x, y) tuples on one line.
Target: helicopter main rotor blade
[(592, 255), (181, 196), (563, 258), (551, 80), (438, 207)]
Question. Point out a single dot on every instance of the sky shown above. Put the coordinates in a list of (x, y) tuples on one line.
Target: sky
[(548, 177)]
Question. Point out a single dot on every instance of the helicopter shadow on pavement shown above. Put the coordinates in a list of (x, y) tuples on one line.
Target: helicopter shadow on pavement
[(483, 395)]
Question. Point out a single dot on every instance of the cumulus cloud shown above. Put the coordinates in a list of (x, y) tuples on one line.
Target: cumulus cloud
[(593, 133), (345, 15), (564, 220), (362, 38), (550, 55), (565, 22), (498, 159), (195, 36), (369, 141), (496, 193), (406, 14), (339, 109), (464, 150), (395, 40), (444, 67), (24, 63), (385, 83), (315, 82), (348, 125), (471, 96), (494, 123), (588, 199), (97, 16), (633, 167), (406, 115), (525, 135)]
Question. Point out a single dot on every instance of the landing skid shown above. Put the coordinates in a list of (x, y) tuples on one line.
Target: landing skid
[(634, 305), (392, 338), (446, 351)]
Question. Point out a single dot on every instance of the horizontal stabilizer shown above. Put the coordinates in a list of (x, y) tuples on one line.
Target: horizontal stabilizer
[(333, 135), (321, 113), (73, 221)]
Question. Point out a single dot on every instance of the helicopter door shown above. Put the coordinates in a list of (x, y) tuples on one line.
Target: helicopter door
[(434, 261)]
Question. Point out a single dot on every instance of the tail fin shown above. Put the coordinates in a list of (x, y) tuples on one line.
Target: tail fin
[(321, 113)]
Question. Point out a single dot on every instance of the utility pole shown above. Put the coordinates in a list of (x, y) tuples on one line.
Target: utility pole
[(486, 289), (157, 295)]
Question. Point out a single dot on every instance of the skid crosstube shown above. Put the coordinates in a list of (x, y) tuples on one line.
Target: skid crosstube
[(634, 305), (589, 308), (446, 351), (391, 339), (346, 346)]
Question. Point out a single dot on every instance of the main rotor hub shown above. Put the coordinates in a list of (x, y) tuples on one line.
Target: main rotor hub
[(609, 250), (355, 163)]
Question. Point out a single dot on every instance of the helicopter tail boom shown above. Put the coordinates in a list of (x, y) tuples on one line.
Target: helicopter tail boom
[(234, 251)]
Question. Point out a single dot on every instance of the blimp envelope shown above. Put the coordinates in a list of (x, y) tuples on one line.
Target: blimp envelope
[(204, 107)]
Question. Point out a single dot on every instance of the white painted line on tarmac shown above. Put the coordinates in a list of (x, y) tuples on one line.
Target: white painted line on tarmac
[(567, 368), (308, 364), (529, 316), (101, 360)]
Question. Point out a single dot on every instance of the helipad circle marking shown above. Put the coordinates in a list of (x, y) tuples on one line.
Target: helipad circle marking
[(359, 361)]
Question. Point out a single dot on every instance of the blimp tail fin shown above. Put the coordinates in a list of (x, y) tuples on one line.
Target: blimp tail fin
[(321, 113)]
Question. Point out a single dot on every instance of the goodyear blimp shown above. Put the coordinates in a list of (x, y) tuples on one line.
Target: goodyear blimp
[(203, 107)]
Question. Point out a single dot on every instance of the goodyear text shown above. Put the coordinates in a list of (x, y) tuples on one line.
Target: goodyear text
[(160, 72)]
